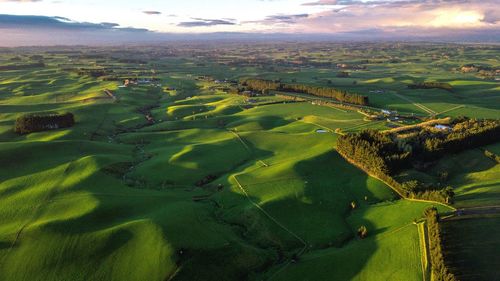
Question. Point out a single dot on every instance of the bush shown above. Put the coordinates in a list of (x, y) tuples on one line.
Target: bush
[(36, 123)]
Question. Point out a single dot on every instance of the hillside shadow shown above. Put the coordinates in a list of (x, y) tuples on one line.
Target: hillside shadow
[(178, 217), (461, 165), (335, 185), (5, 245)]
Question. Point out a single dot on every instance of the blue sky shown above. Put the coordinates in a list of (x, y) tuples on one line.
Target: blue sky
[(331, 17)]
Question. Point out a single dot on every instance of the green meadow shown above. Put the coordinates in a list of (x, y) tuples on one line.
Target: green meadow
[(116, 197)]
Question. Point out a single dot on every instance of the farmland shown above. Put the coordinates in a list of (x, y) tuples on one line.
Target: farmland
[(176, 177)]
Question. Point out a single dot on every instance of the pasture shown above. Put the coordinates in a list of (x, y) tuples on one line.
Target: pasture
[(216, 187)]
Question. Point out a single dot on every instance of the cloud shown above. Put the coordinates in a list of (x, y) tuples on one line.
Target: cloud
[(44, 22), (410, 15), (346, 19), (200, 22), (28, 30), (285, 18), (491, 16), (280, 19), (322, 3), (25, 1), (152, 12), (393, 3)]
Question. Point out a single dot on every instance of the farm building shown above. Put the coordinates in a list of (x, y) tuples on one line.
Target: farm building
[(442, 127)]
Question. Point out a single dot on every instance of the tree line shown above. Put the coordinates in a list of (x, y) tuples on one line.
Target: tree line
[(374, 150), (340, 95), (36, 123), (492, 156), (465, 134), (95, 73), (384, 155), (22, 66), (431, 85), (440, 271)]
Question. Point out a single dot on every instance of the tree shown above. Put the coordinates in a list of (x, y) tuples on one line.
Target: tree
[(340, 95), (362, 232), (411, 186), (353, 205), (36, 123)]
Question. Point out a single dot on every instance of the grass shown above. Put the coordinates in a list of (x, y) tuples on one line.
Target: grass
[(472, 247), (114, 198), (392, 244), (473, 176)]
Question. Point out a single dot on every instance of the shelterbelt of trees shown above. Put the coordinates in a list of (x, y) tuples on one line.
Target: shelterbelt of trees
[(440, 272), (340, 95), (22, 66), (492, 156), (431, 85), (465, 134), (386, 154), (36, 123), (95, 73)]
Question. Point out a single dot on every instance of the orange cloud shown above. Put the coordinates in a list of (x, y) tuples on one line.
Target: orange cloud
[(352, 15)]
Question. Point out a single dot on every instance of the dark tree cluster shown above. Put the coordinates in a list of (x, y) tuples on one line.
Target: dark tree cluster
[(443, 195), (374, 151), (261, 84), (384, 154), (340, 95), (431, 85), (343, 74), (36, 123), (206, 180), (439, 269), (22, 66), (465, 134), (95, 73)]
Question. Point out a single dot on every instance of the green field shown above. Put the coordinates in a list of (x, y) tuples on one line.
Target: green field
[(473, 247), (119, 198), (473, 176)]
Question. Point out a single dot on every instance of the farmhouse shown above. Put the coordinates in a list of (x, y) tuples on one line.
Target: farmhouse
[(442, 127)]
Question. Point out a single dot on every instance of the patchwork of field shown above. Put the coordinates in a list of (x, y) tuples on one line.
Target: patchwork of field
[(216, 188)]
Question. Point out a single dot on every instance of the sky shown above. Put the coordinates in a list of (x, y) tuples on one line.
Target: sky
[(31, 22)]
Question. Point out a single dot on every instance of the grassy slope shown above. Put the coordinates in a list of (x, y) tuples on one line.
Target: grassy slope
[(389, 253), (56, 201), (472, 247), (473, 176)]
